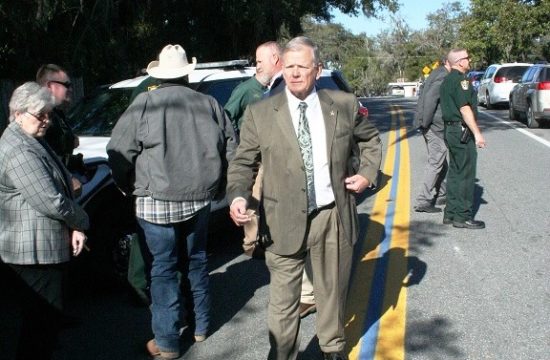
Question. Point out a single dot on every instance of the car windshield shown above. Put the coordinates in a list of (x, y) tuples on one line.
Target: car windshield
[(220, 89), (333, 82), (513, 73), (98, 114)]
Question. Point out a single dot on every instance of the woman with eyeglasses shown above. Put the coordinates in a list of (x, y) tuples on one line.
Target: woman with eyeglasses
[(41, 224)]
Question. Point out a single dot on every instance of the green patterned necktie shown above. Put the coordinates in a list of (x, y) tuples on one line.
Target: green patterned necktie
[(304, 140)]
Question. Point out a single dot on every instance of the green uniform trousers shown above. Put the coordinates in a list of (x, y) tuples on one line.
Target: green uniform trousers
[(461, 175)]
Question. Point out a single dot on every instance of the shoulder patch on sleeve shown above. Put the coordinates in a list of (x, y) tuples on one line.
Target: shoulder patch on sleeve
[(464, 84)]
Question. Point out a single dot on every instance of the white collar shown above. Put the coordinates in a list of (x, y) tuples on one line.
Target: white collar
[(294, 102)]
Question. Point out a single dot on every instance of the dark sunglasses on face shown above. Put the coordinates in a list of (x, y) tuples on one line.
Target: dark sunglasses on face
[(67, 84)]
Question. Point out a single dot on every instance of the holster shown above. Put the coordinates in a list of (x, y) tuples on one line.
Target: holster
[(466, 134)]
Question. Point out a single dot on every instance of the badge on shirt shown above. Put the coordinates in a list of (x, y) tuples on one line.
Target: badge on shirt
[(464, 84)]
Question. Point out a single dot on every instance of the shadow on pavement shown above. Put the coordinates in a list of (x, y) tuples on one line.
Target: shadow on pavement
[(478, 198), (233, 288), (433, 336), (110, 323)]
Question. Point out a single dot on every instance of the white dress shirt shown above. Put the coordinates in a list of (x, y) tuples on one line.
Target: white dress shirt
[(314, 114)]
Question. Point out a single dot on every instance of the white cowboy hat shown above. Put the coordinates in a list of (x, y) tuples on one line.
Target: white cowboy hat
[(172, 63)]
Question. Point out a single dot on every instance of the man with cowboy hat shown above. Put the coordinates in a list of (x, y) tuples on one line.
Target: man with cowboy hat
[(170, 150)]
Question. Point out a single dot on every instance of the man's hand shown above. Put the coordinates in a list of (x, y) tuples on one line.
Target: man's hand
[(356, 183), (480, 141), (238, 213), (77, 186), (470, 120)]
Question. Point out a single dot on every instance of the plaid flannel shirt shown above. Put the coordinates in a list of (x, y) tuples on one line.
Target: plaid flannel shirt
[(165, 211)]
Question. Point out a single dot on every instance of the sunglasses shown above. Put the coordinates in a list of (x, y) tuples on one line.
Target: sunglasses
[(67, 84)]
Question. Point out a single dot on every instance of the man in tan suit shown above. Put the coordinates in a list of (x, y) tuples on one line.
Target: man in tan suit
[(304, 139)]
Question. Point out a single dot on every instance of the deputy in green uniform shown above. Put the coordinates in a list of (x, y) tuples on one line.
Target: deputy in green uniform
[(268, 64), (459, 110)]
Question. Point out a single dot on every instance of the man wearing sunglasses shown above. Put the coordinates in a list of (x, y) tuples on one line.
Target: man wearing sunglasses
[(60, 136), (462, 136)]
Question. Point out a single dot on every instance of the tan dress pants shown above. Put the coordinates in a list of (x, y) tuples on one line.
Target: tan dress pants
[(251, 235), (251, 228), (331, 258)]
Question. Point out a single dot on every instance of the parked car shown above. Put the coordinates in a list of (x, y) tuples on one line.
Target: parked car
[(497, 82), (93, 119), (530, 98), (475, 77), (396, 91)]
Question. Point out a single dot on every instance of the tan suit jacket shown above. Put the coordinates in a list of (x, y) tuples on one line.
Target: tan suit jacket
[(268, 137)]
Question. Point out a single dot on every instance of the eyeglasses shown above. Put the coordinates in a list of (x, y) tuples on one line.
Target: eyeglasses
[(40, 117), (67, 84), (464, 58)]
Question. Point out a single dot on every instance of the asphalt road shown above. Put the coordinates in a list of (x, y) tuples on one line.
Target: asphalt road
[(482, 294), (486, 293)]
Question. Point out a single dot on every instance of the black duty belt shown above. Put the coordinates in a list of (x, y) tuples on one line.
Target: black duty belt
[(324, 207)]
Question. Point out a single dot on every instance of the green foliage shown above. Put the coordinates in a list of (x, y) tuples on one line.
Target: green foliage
[(351, 54), (507, 30), (107, 40), (371, 8), (493, 31), (443, 28)]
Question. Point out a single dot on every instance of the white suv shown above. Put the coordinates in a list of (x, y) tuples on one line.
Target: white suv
[(497, 82), (530, 99), (94, 118)]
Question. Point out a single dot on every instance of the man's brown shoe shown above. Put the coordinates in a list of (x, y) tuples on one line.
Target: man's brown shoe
[(154, 351), (306, 309)]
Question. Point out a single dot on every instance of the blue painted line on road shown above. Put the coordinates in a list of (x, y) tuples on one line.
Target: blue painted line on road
[(372, 321)]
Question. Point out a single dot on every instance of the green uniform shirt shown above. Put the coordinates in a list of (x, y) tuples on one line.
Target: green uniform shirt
[(456, 91), (245, 93)]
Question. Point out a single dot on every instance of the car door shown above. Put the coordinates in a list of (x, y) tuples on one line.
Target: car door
[(482, 90), (541, 91), (525, 87), (531, 88)]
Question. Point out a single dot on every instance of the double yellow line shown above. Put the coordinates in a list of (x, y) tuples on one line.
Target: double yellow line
[(377, 299)]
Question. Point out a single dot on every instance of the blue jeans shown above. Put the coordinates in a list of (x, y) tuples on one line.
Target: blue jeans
[(167, 243)]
